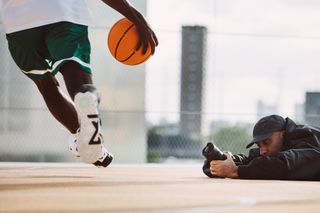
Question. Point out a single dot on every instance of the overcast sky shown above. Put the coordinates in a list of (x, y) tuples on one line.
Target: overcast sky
[(265, 50)]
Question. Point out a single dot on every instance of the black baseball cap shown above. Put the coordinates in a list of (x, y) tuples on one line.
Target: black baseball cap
[(265, 127)]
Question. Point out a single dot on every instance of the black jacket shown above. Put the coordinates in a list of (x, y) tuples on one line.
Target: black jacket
[(298, 160)]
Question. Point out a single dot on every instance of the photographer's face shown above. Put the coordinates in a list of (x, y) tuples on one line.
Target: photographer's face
[(272, 145)]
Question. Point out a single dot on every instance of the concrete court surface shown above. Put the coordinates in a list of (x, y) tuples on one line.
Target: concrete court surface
[(64, 188)]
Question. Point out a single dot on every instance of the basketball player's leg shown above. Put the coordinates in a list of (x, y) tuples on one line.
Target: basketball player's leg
[(29, 51), (60, 106), (76, 79), (89, 139), (69, 46)]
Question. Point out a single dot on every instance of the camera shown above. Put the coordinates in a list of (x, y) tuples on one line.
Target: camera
[(211, 152)]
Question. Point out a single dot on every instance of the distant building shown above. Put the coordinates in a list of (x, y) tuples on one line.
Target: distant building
[(312, 108), (192, 70)]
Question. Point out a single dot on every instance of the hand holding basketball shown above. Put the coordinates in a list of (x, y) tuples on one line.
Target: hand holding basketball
[(131, 44)]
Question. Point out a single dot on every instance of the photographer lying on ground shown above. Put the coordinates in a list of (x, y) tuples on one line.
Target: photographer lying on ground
[(285, 151)]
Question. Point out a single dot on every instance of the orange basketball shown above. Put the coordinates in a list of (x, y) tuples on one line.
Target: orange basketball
[(122, 41)]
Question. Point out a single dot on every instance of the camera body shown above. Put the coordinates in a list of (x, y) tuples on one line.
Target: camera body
[(211, 152)]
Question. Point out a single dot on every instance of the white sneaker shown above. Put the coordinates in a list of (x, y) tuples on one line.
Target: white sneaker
[(73, 146), (103, 161), (89, 138)]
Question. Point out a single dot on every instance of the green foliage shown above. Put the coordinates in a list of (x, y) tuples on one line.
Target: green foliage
[(153, 156), (232, 139)]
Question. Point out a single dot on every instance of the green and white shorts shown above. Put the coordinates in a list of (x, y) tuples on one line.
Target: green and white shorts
[(42, 51)]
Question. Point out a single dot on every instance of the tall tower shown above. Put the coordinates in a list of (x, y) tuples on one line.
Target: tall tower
[(192, 69), (312, 108)]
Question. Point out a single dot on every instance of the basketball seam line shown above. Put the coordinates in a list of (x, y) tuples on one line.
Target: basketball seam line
[(115, 51), (128, 56)]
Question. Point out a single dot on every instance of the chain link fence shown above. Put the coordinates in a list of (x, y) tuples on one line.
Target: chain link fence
[(246, 75)]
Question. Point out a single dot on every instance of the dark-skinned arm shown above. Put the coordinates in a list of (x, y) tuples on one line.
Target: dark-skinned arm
[(146, 35)]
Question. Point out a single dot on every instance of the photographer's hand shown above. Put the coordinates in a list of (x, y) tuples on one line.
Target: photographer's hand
[(224, 168)]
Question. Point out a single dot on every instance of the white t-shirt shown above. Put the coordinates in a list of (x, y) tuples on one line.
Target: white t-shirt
[(19, 15)]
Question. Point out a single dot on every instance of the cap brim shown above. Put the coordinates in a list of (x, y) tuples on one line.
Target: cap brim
[(259, 138)]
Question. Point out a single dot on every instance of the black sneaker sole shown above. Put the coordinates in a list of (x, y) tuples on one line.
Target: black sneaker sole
[(105, 162)]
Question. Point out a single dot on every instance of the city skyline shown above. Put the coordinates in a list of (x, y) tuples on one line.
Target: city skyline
[(257, 50)]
